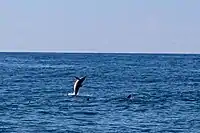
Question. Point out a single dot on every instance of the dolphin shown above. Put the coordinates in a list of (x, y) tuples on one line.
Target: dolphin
[(129, 96), (78, 84)]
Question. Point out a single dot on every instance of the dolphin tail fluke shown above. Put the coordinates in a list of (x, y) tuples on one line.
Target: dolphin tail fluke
[(77, 78), (83, 78)]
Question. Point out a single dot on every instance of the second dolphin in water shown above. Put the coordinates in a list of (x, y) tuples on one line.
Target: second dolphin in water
[(78, 84)]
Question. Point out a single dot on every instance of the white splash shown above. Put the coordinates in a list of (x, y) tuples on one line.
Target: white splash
[(71, 94)]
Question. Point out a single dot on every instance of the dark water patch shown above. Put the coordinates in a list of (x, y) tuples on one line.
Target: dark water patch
[(84, 113)]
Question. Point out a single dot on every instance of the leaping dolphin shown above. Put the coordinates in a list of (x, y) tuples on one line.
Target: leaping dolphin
[(78, 84)]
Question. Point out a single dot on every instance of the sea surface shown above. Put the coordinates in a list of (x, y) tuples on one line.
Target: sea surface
[(35, 93)]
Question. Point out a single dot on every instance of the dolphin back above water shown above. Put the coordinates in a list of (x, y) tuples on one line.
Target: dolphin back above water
[(78, 84)]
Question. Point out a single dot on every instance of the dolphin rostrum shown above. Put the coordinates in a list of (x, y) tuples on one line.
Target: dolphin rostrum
[(78, 84)]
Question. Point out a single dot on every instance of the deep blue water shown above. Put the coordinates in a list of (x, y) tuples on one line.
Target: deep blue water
[(165, 91)]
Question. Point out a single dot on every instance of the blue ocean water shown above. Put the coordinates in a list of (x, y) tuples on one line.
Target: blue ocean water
[(164, 89)]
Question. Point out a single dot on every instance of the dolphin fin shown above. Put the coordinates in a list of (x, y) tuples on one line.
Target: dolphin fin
[(83, 78), (77, 78)]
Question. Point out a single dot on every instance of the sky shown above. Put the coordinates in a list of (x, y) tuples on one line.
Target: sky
[(138, 26)]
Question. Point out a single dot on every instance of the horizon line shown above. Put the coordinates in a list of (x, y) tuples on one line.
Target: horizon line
[(99, 52)]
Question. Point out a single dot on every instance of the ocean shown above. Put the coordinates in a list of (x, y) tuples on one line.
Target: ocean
[(35, 92)]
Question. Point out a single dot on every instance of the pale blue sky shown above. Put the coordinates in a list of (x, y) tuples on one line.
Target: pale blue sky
[(100, 25)]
